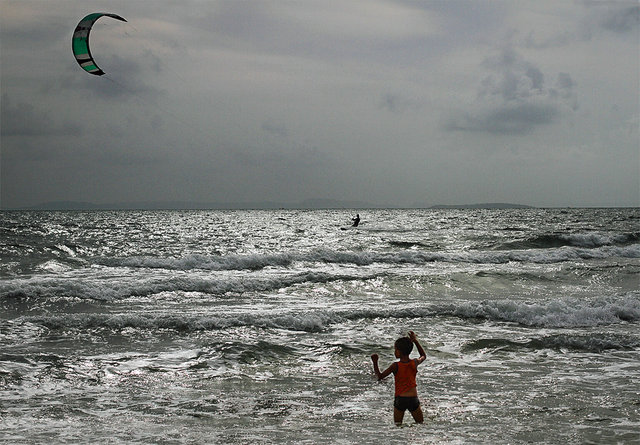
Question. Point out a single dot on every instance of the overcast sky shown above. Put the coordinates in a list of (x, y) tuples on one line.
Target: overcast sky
[(388, 101)]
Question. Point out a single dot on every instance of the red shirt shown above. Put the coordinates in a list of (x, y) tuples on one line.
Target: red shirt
[(406, 376)]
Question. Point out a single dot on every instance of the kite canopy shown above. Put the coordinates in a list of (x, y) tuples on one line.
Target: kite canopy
[(80, 42)]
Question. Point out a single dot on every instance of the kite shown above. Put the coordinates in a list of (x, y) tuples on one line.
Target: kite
[(80, 42)]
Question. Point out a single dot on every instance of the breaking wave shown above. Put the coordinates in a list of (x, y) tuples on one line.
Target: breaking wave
[(586, 240), (568, 313), (579, 343), (114, 289), (561, 313), (363, 258)]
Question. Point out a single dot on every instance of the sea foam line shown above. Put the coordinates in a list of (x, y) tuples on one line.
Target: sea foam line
[(558, 313), (562, 313), (585, 240), (594, 342), (119, 288), (257, 261)]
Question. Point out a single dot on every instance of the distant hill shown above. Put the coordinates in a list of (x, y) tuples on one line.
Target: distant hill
[(64, 205), (491, 205)]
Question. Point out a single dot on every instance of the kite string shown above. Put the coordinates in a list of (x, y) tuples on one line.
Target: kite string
[(196, 131), (135, 34)]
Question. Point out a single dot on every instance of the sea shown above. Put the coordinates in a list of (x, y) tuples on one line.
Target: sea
[(257, 326)]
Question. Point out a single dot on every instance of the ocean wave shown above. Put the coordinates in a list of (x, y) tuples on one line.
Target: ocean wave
[(309, 322), (116, 289), (586, 240), (407, 244), (365, 258), (203, 262), (579, 343), (567, 313), (560, 313)]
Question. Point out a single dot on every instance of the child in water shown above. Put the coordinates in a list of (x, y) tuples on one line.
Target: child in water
[(404, 370)]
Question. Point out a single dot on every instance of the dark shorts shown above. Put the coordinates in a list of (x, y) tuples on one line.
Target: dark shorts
[(406, 403)]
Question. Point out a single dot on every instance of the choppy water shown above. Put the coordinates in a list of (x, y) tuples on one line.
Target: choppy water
[(257, 326)]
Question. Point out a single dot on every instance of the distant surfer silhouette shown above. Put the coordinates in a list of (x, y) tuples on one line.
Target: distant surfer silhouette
[(356, 221)]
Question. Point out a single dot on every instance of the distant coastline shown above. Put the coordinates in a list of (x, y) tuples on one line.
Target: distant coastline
[(488, 205), (309, 204)]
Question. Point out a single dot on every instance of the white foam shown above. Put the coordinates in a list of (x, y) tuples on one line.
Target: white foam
[(115, 288), (53, 266), (363, 258), (562, 313), (309, 322), (66, 249), (597, 239), (567, 313)]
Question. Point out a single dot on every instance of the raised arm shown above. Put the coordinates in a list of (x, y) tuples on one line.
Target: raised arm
[(414, 339), (376, 369)]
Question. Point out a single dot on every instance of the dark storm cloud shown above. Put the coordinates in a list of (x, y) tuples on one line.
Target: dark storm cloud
[(565, 89), (514, 98), (511, 77), (621, 20), (23, 119), (619, 17), (511, 119)]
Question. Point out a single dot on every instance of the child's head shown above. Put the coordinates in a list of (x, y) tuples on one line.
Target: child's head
[(404, 345)]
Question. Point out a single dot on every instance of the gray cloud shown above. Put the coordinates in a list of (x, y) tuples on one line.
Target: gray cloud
[(621, 19), (510, 119), (514, 98), (24, 119), (398, 103), (513, 78)]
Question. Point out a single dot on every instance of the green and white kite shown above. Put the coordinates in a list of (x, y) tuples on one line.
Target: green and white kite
[(80, 42)]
